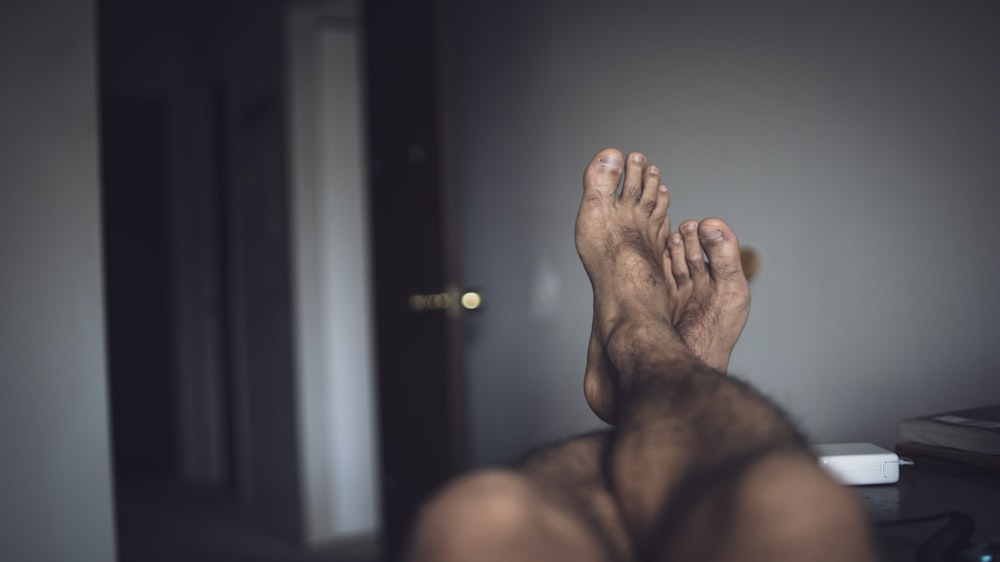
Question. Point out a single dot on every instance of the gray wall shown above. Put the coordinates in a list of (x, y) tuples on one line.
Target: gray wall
[(854, 145), (54, 477)]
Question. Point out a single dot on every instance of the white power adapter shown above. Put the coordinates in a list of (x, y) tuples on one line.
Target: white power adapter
[(858, 464)]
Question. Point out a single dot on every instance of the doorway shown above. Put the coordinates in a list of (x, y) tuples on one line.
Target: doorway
[(232, 413)]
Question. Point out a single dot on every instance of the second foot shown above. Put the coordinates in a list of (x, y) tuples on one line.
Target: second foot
[(711, 296)]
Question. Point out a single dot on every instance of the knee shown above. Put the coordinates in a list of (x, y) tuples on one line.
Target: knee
[(495, 515), (482, 509), (790, 509)]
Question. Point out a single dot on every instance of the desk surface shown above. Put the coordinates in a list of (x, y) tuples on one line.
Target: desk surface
[(929, 487)]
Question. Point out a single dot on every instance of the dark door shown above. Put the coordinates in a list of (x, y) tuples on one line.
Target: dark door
[(419, 384), (133, 137)]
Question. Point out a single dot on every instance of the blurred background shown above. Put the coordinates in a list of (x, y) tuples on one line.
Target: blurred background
[(220, 219)]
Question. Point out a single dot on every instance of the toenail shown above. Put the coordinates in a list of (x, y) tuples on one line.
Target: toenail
[(689, 226), (664, 189), (610, 163), (710, 233), (638, 158), (675, 239), (653, 170)]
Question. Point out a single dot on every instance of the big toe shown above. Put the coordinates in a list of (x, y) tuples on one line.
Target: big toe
[(722, 248), (602, 176)]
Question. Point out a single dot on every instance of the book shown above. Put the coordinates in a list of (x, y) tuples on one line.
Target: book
[(975, 430), (912, 448)]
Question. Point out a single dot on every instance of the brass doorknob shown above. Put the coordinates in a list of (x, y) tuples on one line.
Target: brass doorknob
[(452, 300)]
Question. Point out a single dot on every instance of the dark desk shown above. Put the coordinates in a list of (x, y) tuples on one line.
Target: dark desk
[(929, 487)]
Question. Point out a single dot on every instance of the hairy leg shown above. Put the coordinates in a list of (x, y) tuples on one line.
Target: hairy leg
[(678, 421), (699, 466), (708, 304)]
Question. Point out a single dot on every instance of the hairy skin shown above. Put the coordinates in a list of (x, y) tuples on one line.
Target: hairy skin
[(698, 466), (707, 297)]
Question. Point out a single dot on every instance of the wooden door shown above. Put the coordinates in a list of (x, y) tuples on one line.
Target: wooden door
[(420, 395)]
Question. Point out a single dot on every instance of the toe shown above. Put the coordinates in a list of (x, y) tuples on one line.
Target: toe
[(722, 248), (601, 179), (678, 262), (634, 168), (668, 271), (659, 215), (693, 253), (650, 191)]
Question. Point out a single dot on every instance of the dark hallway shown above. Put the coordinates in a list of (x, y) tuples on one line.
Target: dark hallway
[(197, 283)]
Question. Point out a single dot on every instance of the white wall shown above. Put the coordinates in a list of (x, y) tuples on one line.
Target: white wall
[(55, 476), (853, 145)]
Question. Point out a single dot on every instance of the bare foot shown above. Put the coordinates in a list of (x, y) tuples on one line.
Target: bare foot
[(707, 303), (621, 239), (710, 300)]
